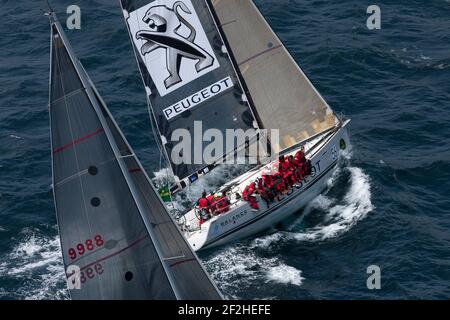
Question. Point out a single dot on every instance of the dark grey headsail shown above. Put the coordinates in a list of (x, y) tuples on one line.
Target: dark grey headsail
[(188, 74), (113, 226)]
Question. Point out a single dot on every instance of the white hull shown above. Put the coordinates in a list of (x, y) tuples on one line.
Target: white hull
[(241, 222)]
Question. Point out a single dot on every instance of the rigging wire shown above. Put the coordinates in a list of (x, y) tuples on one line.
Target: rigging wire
[(162, 158), (153, 124)]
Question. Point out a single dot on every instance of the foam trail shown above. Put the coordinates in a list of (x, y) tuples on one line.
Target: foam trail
[(36, 263), (356, 206), (162, 177), (341, 215), (285, 274), (238, 267)]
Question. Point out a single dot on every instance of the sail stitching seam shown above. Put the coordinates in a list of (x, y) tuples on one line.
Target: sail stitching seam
[(68, 95), (260, 54), (77, 141), (79, 174)]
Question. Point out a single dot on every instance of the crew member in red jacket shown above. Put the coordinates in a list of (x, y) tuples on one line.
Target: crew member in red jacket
[(203, 205), (301, 162), (248, 196), (291, 171), (212, 203)]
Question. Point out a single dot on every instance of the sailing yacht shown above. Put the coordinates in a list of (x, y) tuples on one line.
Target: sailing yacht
[(218, 62), (118, 241)]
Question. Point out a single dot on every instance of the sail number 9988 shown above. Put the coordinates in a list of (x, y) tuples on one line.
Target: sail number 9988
[(88, 245)]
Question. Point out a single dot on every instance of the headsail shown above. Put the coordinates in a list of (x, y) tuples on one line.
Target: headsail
[(188, 75), (115, 231), (290, 103)]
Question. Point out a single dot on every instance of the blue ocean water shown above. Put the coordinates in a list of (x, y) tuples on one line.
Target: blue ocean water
[(388, 204)]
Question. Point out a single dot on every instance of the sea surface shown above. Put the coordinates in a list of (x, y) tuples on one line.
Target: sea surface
[(387, 205)]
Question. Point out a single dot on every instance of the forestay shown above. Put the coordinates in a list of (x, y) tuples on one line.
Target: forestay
[(188, 76), (115, 231), (283, 96)]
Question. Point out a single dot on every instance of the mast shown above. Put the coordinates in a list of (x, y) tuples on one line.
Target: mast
[(113, 225)]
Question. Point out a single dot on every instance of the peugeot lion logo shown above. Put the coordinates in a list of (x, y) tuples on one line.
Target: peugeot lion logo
[(164, 24)]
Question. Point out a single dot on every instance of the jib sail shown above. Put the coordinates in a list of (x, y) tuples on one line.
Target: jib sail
[(117, 239)]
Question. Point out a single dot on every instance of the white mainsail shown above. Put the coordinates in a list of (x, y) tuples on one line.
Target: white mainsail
[(283, 96)]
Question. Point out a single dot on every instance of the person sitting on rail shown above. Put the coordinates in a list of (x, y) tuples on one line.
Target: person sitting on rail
[(300, 155), (307, 167), (279, 185), (265, 191), (290, 175), (284, 168), (302, 163), (248, 195), (270, 184), (283, 164), (298, 168), (267, 180)]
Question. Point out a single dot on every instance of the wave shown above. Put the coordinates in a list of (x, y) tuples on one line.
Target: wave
[(340, 215), (411, 57), (36, 263), (238, 267), (285, 274)]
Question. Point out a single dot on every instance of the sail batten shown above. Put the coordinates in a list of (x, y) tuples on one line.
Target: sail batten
[(113, 226), (290, 104)]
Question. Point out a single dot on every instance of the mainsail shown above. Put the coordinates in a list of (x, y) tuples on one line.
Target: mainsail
[(282, 94), (117, 238), (189, 77)]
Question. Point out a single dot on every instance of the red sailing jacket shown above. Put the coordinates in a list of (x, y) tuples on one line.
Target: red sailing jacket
[(203, 203)]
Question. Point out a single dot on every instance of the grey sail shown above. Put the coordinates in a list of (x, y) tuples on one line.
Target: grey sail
[(188, 75), (116, 234), (291, 103)]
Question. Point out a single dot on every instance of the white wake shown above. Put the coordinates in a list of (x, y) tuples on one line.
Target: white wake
[(341, 214), (237, 267), (36, 263)]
